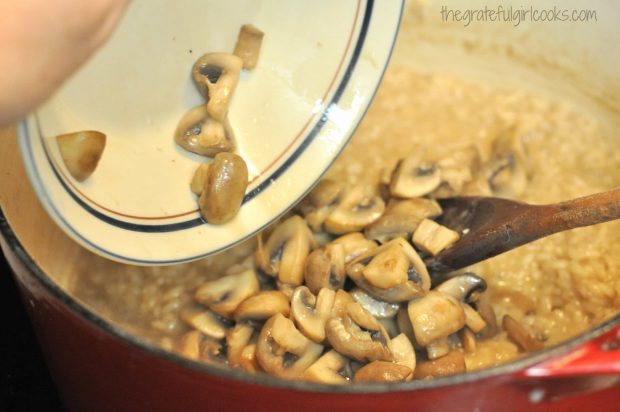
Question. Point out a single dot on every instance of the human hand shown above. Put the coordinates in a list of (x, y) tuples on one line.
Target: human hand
[(42, 42)]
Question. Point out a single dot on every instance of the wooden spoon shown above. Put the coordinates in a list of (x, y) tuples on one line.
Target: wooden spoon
[(490, 226)]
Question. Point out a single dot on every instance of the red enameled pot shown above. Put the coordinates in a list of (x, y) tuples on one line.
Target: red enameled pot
[(99, 367)]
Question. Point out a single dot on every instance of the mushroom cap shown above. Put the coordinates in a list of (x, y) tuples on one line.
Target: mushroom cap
[(223, 295), (464, 287), (262, 305), (435, 315), (216, 76), (81, 151), (414, 177), (310, 312), (325, 268), (354, 244), (387, 268), (283, 351), (417, 281), (285, 252), (199, 133), (327, 369), (382, 371), (224, 189), (359, 207), (367, 341), (377, 308)]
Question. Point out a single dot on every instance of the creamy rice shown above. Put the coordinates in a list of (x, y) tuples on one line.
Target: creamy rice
[(556, 287)]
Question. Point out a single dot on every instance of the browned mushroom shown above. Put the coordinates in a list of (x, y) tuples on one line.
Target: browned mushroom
[(223, 295), (360, 206), (310, 312), (451, 364), (382, 371), (248, 45), (435, 315), (520, 335), (81, 152), (325, 268), (221, 197), (262, 305), (414, 177), (327, 369)]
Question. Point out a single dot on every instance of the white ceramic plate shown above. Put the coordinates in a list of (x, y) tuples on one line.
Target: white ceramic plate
[(319, 67)]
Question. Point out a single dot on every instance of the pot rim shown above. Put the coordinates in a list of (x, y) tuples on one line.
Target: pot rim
[(126, 337)]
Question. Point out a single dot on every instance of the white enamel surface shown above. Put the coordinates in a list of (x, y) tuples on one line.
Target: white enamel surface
[(137, 88)]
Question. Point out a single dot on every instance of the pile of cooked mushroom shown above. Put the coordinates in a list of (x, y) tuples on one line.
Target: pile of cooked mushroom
[(339, 291), (205, 130)]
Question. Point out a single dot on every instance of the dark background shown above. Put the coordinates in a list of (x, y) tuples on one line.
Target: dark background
[(25, 383)]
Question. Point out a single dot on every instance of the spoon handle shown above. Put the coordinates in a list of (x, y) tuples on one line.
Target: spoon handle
[(584, 211)]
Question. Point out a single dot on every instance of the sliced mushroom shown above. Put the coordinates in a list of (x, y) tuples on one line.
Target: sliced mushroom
[(437, 348), (237, 338), (485, 310), (199, 133), (325, 268), (360, 206), (473, 320), (457, 169), (390, 325), (223, 295), (432, 237), (403, 352), (310, 312), (248, 360), (465, 287), (414, 177), (206, 322), (451, 364), (284, 351), (199, 178), (507, 170), (248, 45), (81, 152), (354, 244), (262, 305), (189, 345), (358, 335), (227, 180), (468, 340), (377, 308), (404, 325), (520, 335), (216, 75), (321, 202), (341, 300), (382, 371), (284, 254), (401, 219), (435, 315), (327, 369), (417, 281)]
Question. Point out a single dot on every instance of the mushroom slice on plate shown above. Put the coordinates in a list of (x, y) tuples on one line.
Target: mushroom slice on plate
[(284, 351), (199, 178), (401, 219), (435, 315), (327, 369), (81, 151), (206, 322), (432, 237), (223, 295), (248, 45), (199, 133), (382, 371), (403, 352), (284, 254), (451, 364), (325, 268), (310, 312), (520, 335), (237, 338), (394, 262), (354, 244), (320, 202), (377, 308), (216, 75), (414, 177), (359, 207), (262, 305), (224, 189), (358, 335)]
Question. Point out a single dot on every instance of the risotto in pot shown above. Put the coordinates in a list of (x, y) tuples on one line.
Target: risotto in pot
[(338, 292)]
